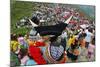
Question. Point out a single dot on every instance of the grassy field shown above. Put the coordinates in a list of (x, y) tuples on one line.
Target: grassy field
[(19, 10)]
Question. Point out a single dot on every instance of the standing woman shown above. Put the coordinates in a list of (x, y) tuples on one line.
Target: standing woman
[(91, 50), (73, 52), (83, 50)]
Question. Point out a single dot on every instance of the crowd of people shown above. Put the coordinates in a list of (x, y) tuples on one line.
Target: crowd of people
[(73, 43)]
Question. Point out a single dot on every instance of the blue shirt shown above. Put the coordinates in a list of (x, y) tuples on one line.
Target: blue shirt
[(30, 62)]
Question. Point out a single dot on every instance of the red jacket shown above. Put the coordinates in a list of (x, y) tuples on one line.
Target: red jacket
[(35, 52)]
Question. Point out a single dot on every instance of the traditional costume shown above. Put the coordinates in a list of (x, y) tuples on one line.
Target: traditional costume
[(55, 53)]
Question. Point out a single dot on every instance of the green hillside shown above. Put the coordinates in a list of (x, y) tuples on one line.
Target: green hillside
[(19, 10)]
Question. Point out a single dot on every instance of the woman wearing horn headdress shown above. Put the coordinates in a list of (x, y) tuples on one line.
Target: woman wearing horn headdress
[(55, 49)]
